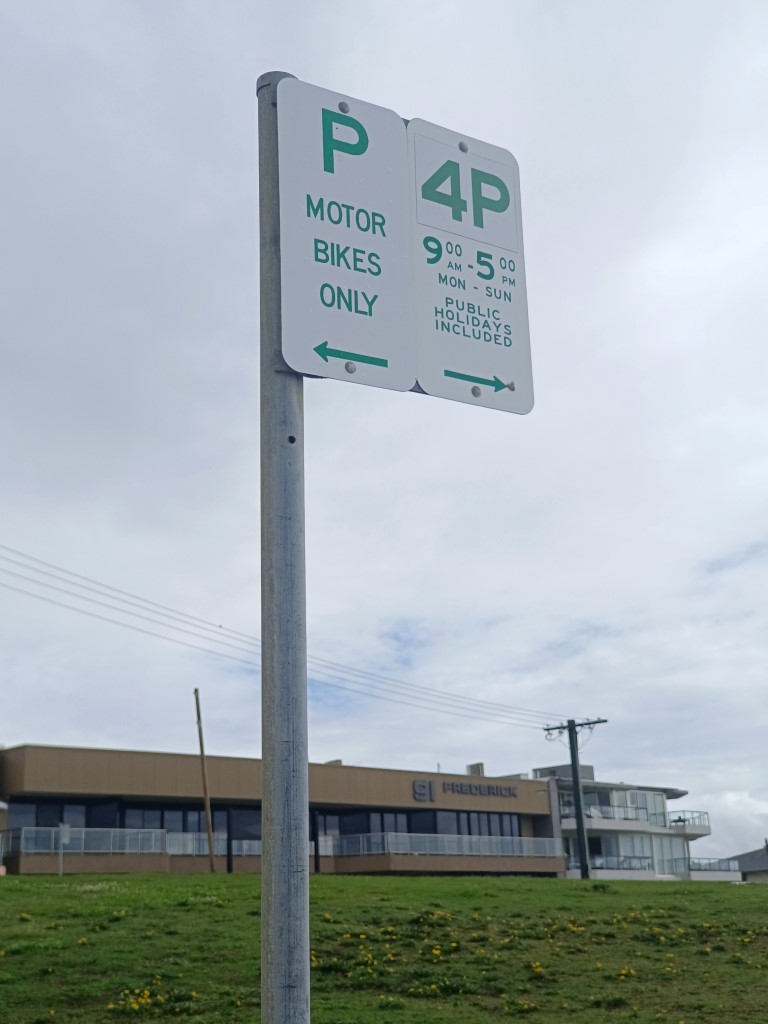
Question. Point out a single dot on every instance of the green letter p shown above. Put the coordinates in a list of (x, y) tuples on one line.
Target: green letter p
[(331, 143), (480, 201)]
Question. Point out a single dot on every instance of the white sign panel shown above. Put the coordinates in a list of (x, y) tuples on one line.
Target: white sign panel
[(470, 307), (345, 238)]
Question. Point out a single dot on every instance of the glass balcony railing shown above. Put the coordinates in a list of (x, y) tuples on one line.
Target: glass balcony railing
[(689, 819), (706, 864), (615, 813), (445, 845), (195, 844), (600, 863), (120, 841)]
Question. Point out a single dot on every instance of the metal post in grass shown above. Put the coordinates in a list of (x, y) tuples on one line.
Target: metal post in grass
[(285, 819)]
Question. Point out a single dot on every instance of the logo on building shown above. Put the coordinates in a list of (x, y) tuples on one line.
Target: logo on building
[(423, 790)]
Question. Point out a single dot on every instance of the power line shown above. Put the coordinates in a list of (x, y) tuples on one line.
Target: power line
[(125, 625), (358, 680), (97, 587)]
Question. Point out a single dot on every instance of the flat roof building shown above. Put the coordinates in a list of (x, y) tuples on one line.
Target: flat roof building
[(141, 811), (124, 810), (631, 831)]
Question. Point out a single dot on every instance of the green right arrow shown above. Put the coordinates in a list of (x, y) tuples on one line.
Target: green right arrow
[(495, 383)]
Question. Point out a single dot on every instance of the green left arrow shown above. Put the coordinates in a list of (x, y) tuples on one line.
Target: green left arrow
[(495, 383), (327, 353)]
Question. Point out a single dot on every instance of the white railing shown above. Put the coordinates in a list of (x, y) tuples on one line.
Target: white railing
[(121, 840), (195, 844), (84, 840), (445, 845)]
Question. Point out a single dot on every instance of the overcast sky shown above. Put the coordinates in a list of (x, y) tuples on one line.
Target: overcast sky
[(606, 555)]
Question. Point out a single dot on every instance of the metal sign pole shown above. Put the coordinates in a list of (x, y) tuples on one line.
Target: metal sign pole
[(285, 816)]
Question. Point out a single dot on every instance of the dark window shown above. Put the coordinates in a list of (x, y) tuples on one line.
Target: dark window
[(74, 815), (329, 824), (134, 817), (173, 821), (510, 825), (219, 821), (22, 815), (355, 824), (495, 824), (474, 825), (422, 822), (194, 822), (384, 821), (153, 818), (447, 823), (483, 824), (48, 815), (245, 822), (463, 823), (104, 815)]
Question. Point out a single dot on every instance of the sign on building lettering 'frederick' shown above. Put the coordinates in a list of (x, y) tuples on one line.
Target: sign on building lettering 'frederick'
[(424, 790)]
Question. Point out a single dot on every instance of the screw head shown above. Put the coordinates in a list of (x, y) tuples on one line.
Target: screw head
[(476, 391), (350, 367), (344, 107)]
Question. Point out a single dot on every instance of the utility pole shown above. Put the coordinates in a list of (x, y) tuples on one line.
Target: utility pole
[(572, 728), (206, 794)]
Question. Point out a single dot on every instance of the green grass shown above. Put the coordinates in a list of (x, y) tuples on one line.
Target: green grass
[(413, 950)]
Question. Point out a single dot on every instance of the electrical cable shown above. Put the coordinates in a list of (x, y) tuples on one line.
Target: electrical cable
[(371, 684)]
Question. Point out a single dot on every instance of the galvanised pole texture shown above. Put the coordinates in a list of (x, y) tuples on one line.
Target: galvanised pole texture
[(285, 820)]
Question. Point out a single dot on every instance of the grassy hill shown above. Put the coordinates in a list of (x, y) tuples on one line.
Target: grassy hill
[(449, 950)]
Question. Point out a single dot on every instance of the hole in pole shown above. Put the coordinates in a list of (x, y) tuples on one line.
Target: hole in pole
[(291, 439)]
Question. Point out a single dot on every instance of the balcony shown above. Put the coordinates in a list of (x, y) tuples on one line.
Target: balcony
[(600, 863), (444, 845), (690, 824), (697, 869), (705, 869), (120, 841), (42, 850)]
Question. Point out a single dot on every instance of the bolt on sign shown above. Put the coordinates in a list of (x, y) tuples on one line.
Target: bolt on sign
[(402, 253), (345, 237)]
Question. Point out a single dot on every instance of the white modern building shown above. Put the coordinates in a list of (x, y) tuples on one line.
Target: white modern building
[(631, 830)]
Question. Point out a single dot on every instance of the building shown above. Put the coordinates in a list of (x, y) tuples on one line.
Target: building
[(753, 865), (86, 810), (631, 831), (118, 810)]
